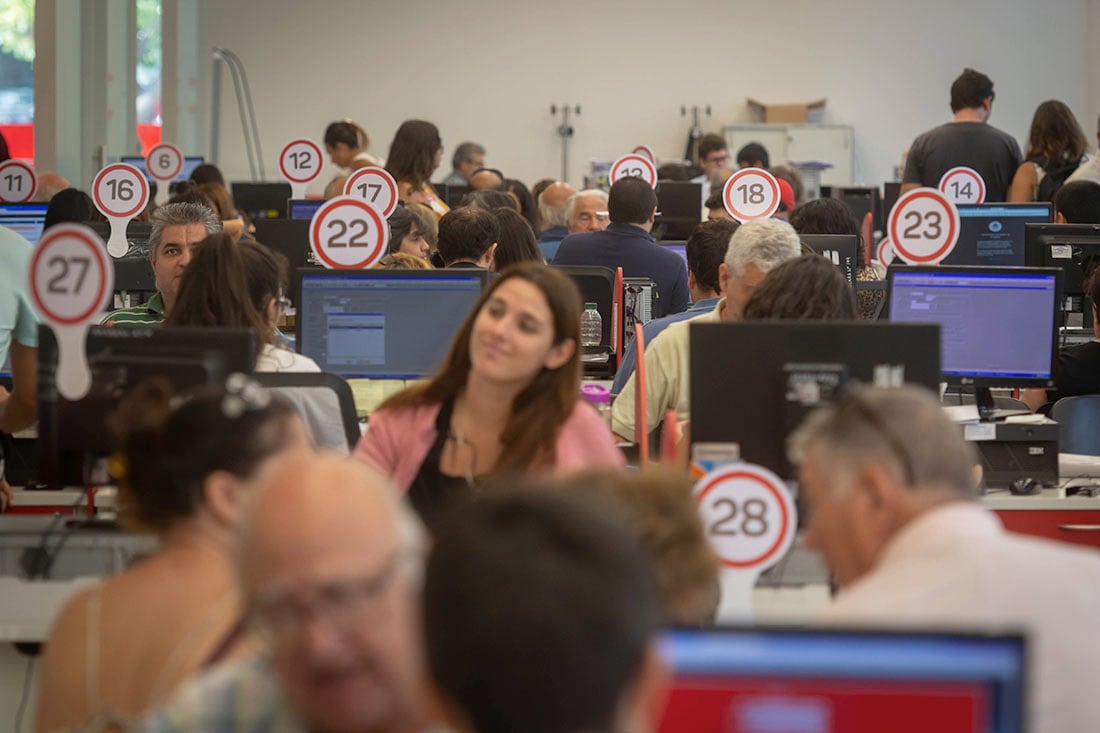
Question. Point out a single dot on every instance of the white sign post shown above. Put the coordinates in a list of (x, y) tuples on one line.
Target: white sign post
[(375, 186), (71, 283), (348, 233), (751, 193), (750, 521), (17, 182), (300, 163), (164, 162), (636, 165), (923, 227), (963, 185), (120, 192)]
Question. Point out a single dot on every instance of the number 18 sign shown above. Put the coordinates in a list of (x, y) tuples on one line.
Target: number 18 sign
[(71, 283), (751, 193), (750, 521)]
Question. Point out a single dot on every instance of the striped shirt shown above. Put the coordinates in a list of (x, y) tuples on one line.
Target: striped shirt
[(149, 314)]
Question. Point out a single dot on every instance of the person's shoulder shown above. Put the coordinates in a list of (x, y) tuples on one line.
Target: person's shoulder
[(240, 694)]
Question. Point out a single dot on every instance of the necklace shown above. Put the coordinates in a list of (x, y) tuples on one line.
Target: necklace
[(460, 441)]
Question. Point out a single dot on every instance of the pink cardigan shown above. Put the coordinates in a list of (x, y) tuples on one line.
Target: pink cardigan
[(397, 441)]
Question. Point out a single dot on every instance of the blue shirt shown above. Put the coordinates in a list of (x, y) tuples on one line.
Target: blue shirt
[(650, 331), (551, 240), (18, 319)]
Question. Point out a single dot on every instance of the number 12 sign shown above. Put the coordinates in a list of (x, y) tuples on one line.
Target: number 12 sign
[(300, 163), (71, 283)]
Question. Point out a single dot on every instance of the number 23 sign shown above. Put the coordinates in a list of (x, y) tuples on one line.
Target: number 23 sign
[(924, 227)]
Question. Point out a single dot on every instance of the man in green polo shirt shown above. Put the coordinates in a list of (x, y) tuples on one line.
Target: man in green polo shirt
[(177, 229)]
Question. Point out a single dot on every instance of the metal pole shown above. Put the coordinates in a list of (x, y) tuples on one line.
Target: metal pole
[(215, 105)]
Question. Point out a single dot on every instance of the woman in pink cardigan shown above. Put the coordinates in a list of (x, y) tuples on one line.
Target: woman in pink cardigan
[(506, 400)]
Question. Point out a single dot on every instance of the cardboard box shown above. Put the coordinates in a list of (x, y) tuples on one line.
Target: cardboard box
[(805, 112)]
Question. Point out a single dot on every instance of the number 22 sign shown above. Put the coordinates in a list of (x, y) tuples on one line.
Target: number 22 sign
[(348, 233)]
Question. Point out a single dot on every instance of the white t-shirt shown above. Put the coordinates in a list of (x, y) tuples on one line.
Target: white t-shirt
[(275, 359)]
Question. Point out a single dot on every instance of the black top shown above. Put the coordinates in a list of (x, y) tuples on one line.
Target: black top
[(431, 490), (994, 154), (1078, 371)]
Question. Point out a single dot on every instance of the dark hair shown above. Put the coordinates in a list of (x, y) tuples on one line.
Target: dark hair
[(412, 153), (1092, 287), (570, 598), (230, 283), (487, 200), (710, 143), (971, 89), (1079, 202), (706, 250), (465, 153), (71, 205), (219, 196), (714, 201), (348, 133), (752, 153), (673, 172), (168, 451), (207, 173), (526, 200), (1055, 135), (793, 177), (5, 154), (828, 216), (465, 234), (631, 201), (401, 223), (807, 288), (190, 194), (542, 407), (516, 242)]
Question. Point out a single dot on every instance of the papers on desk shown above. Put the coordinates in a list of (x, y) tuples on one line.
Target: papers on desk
[(967, 414), (1074, 465)]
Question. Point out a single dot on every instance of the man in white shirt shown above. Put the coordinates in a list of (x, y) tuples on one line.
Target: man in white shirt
[(890, 486)]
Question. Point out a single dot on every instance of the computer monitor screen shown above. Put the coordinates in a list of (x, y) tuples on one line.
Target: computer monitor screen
[(998, 325), (753, 382), (384, 324), (1072, 248), (452, 195), (261, 200), (190, 163), (26, 220), (304, 208), (992, 235), (288, 237), (679, 209), (73, 438), (840, 249), (769, 680), (679, 248)]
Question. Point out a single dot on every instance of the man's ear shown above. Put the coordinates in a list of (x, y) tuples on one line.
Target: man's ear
[(486, 260), (723, 278)]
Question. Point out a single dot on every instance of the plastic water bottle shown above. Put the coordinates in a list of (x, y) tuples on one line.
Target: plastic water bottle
[(591, 326)]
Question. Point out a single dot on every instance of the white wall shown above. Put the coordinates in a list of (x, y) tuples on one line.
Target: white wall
[(488, 70)]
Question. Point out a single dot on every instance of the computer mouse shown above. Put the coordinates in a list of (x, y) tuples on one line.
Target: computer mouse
[(1025, 487)]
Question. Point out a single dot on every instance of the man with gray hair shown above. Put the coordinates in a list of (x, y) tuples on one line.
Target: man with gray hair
[(586, 211), (329, 563), (468, 158), (755, 248), (890, 486), (177, 230), (551, 204)]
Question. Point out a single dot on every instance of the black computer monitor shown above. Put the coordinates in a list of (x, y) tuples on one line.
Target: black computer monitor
[(288, 237), (840, 249), (679, 209), (747, 680), (73, 438), (452, 195), (303, 208), (993, 235), (891, 192), (998, 325), (753, 382), (383, 324), (261, 200), (27, 219), (1072, 248), (677, 246), (190, 163), (861, 200)]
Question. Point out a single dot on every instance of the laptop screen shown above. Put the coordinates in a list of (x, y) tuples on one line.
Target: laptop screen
[(27, 220), (763, 680), (383, 324)]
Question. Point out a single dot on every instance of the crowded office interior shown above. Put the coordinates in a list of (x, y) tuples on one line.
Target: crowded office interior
[(551, 368)]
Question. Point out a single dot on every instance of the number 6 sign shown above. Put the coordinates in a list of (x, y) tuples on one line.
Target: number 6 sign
[(923, 227), (120, 192), (71, 283), (347, 232), (164, 162), (750, 520)]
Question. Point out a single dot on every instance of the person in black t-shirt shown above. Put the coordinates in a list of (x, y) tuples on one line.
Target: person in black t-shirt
[(1078, 366)]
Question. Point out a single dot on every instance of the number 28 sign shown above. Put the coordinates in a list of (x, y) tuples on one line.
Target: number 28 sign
[(348, 233), (923, 227)]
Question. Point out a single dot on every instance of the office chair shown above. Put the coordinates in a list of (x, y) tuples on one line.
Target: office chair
[(1078, 424), (324, 401)]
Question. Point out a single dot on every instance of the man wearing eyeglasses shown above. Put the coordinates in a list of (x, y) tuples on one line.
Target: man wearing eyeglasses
[(329, 562), (890, 486)]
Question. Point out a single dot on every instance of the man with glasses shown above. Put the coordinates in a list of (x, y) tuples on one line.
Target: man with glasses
[(714, 157), (329, 561), (890, 486), (586, 211)]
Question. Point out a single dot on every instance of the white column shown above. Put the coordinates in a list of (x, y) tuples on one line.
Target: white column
[(183, 110)]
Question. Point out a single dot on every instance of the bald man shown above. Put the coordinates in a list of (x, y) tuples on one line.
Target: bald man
[(49, 185), (551, 203), (487, 179), (328, 561)]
